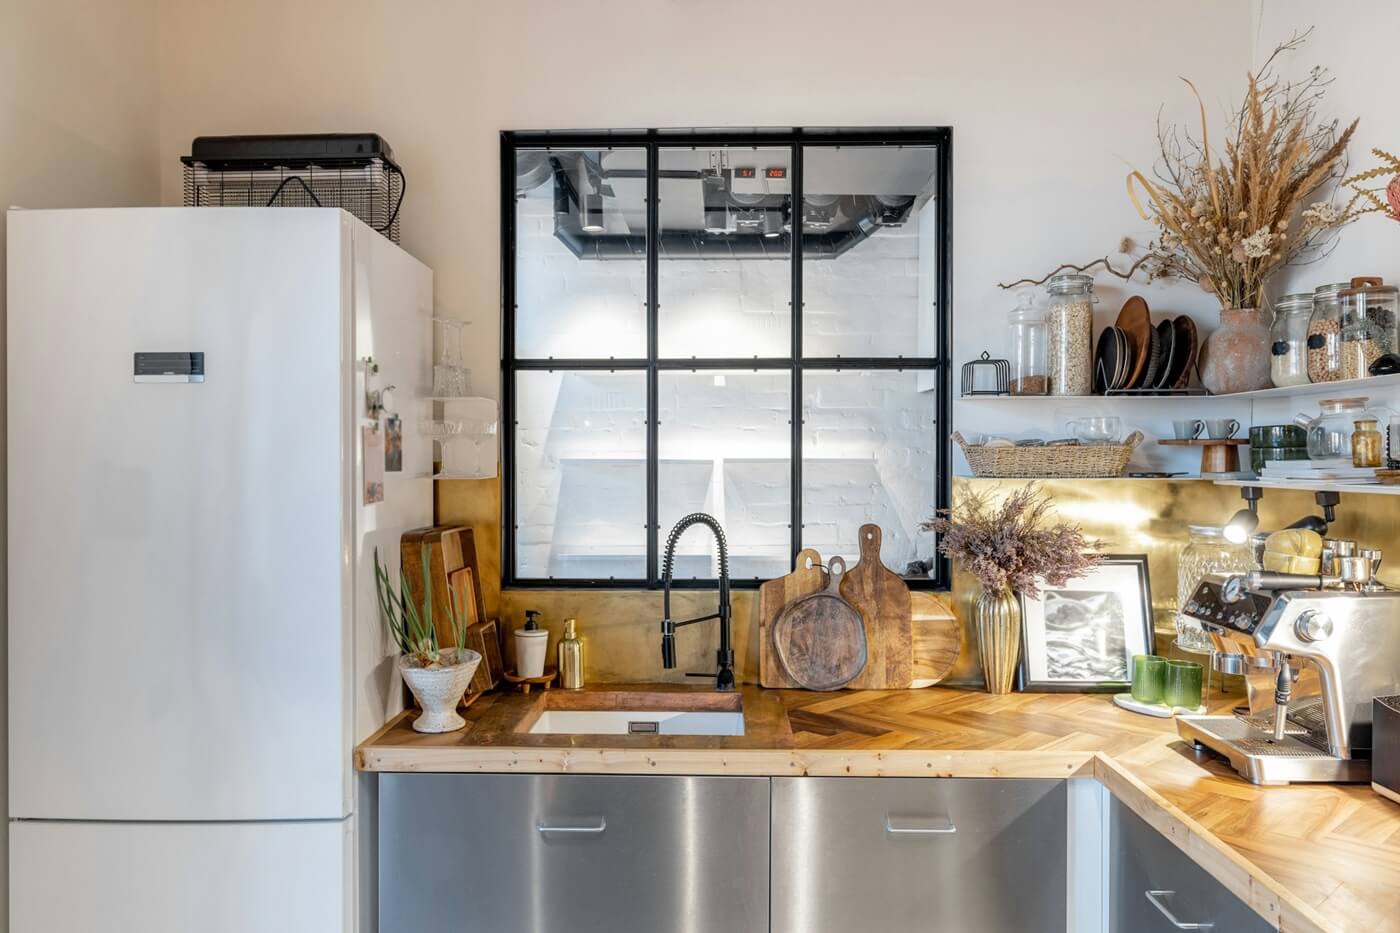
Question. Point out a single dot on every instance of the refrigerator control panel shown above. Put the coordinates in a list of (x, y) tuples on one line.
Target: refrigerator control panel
[(165, 366)]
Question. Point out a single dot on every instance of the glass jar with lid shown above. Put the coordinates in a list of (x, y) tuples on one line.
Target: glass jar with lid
[(1325, 334), (1368, 324), (1288, 353), (1206, 552), (1030, 373), (1070, 329)]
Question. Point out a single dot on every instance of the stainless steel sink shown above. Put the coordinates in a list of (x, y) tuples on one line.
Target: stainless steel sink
[(644, 711)]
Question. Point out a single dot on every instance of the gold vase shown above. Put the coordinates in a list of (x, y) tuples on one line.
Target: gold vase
[(997, 618)]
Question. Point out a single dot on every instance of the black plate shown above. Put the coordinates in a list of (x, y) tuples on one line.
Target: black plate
[(1125, 358), (1166, 335), (1105, 361)]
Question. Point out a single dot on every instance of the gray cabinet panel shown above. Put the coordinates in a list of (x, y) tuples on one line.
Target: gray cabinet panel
[(575, 853), (914, 854), (1156, 888)]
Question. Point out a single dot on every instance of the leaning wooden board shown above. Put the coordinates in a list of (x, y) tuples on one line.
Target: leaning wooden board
[(882, 599), (936, 639), (773, 596)]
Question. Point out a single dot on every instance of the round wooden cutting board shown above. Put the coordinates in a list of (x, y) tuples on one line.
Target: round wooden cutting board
[(820, 639)]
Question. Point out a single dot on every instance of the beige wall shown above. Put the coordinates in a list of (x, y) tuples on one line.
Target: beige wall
[(78, 117)]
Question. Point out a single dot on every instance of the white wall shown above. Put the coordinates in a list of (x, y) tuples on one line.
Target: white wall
[(78, 114), (1051, 104), (1363, 86)]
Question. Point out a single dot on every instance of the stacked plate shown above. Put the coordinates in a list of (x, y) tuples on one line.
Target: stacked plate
[(1135, 355)]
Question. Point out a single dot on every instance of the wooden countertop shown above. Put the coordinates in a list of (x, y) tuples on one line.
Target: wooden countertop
[(1306, 857)]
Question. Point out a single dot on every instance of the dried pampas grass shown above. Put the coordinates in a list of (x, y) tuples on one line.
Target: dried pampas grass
[(1231, 221)]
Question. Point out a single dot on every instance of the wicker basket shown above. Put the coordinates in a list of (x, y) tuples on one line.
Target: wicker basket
[(1068, 461)]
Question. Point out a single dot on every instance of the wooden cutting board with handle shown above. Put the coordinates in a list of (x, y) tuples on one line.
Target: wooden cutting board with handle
[(820, 639), (882, 598), (807, 578)]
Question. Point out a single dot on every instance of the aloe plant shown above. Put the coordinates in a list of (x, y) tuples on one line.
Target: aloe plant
[(410, 624)]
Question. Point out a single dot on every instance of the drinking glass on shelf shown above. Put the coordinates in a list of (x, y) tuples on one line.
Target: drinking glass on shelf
[(1104, 429), (450, 378)]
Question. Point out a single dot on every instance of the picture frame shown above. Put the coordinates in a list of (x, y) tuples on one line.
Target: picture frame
[(1081, 637)]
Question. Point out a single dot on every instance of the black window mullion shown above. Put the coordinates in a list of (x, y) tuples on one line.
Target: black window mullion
[(653, 376), (796, 407)]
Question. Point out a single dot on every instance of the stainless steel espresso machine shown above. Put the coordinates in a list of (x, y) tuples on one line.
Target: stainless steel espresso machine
[(1345, 629)]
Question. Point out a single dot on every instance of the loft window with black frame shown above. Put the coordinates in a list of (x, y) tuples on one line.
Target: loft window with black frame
[(654, 365)]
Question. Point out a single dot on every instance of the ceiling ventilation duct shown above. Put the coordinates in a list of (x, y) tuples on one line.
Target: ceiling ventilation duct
[(720, 223)]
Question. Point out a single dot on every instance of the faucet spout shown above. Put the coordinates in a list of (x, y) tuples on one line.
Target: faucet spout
[(724, 657)]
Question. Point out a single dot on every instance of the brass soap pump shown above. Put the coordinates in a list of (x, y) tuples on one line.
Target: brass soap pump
[(570, 657)]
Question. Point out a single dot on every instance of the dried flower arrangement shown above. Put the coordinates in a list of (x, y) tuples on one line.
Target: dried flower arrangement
[(1390, 206), (1011, 546), (1153, 261), (1232, 222)]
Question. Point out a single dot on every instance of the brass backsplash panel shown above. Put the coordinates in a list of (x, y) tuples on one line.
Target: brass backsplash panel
[(1132, 516)]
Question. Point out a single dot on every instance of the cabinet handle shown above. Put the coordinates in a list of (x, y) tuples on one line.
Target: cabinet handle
[(601, 825), (897, 829), (1154, 897)]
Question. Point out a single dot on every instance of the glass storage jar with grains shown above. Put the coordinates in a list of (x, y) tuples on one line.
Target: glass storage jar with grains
[(1325, 334), (1368, 324), (1029, 356), (1070, 322), (1206, 552), (1288, 353)]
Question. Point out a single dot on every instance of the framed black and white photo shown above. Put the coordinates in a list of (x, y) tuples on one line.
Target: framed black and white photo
[(1081, 637)]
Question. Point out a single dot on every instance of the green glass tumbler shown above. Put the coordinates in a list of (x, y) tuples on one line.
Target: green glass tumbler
[(1183, 684), (1149, 674)]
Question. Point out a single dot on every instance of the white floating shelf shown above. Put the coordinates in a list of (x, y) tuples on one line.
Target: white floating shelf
[(1370, 489), (1343, 388)]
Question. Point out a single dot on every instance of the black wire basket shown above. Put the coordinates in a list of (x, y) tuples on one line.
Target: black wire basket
[(355, 172)]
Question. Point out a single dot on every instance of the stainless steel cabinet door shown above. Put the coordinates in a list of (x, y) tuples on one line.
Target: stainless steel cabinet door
[(894, 855), (1155, 888), (572, 853)]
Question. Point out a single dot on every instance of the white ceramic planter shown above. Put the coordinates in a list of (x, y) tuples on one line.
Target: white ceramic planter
[(530, 649), (439, 689)]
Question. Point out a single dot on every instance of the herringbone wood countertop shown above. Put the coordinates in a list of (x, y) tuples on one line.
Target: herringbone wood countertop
[(1307, 857)]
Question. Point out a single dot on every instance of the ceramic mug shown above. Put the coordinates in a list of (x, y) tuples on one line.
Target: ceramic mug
[(1188, 429), (1221, 428)]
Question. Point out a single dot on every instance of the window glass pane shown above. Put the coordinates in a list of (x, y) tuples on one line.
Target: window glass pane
[(580, 475), (725, 447), (724, 280), (869, 251), (580, 253), (869, 454)]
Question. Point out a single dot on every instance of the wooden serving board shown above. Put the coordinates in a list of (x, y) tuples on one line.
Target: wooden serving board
[(882, 599), (773, 596), (937, 641), (820, 639)]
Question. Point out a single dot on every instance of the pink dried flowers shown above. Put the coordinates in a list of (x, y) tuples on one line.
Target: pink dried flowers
[(1010, 546)]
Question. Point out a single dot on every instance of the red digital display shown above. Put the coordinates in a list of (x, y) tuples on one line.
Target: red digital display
[(747, 172), (775, 172)]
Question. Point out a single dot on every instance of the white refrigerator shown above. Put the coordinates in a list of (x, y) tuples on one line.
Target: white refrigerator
[(194, 640)]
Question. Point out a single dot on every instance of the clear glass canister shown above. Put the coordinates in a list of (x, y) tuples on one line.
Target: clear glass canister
[(1368, 325), (1029, 350), (1206, 552), (1325, 334), (1070, 326), (1288, 355)]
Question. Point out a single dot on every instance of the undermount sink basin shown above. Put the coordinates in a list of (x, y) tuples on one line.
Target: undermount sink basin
[(638, 712)]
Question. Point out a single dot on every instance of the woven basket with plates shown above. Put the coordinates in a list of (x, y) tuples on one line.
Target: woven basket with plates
[(1063, 461)]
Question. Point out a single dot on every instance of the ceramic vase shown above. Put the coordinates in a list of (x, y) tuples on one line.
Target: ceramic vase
[(1235, 358), (438, 690), (997, 619)]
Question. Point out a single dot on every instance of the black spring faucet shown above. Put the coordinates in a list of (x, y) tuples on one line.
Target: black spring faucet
[(724, 677)]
